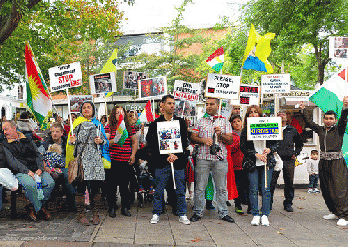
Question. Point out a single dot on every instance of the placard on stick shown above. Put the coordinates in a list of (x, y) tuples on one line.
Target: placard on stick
[(77, 100), (169, 137), (249, 95), (153, 87), (222, 86), (187, 91), (275, 83), (102, 83), (264, 128), (65, 76)]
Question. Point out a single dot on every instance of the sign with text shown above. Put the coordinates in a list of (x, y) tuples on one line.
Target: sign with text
[(297, 95), (169, 137), (222, 86), (65, 76), (152, 88), (187, 91), (102, 83), (249, 95), (264, 128), (275, 83)]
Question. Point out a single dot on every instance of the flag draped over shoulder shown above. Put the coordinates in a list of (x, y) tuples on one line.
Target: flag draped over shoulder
[(121, 132), (38, 99), (257, 51), (330, 97), (216, 60), (146, 115), (110, 66)]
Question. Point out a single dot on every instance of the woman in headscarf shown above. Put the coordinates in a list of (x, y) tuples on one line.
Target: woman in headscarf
[(87, 129)]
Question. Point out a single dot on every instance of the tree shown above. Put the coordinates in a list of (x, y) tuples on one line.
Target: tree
[(300, 22)]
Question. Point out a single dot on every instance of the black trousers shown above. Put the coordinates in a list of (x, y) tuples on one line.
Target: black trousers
[(93, 187)]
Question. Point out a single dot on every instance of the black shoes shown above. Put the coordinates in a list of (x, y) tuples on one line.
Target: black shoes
[(125, 212), (288, 209), (195, 218), (228, 204), (112, 212), (228, 219)]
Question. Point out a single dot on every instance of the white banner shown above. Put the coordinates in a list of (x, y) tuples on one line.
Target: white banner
[(102, 83), (152, 88), (65, 76), (222, 86), (169, 137), (187, 91), (249, 95), (264, 128), (275, 83)]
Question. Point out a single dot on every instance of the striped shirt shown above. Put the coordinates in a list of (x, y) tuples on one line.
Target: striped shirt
[(117, 152), (205, 129)]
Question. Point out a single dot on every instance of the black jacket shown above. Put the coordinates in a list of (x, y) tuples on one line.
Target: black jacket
[(49, 141), (160, 160), (286, 146), (248, 149)]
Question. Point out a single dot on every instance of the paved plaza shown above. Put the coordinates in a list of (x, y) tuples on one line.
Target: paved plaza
[(303, 227)]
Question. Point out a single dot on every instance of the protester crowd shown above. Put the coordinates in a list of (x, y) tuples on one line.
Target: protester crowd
[(217, 157)]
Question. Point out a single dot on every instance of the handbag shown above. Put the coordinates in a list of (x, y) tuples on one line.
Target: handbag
[(75, 168)]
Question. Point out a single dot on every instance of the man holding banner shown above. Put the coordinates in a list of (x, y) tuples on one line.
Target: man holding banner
[(212, 133), (164, 137)]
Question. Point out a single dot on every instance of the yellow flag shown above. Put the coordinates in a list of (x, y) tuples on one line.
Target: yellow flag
[(110, 65)]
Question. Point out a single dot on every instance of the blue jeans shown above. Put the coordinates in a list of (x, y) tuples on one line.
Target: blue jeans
[(202, 170), (1, 187), (313, 181), (70, 196), (161, 179), (255, 178), (30, 188)]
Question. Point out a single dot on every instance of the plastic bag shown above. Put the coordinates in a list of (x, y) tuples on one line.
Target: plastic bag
[(279, 164), (8, 180), (40, 194)]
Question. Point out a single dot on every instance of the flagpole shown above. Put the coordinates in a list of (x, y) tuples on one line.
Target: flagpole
[(70, 118)]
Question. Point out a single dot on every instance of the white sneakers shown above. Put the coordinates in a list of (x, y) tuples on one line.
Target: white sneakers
[(330, 217), (257, 219), (183, 219), (342, 222), (155, 219), (264, 220)]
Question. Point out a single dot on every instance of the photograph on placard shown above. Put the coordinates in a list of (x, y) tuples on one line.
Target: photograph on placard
[(131, 78), (102, 83), (77, 100), (169, 137), (338, 47), (189, 111), (153, 87)]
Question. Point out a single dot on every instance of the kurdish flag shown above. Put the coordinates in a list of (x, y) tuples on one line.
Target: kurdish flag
[(257, 51), (146, 115), (330, 97), (38, 99), (216, 60), (121, 132)]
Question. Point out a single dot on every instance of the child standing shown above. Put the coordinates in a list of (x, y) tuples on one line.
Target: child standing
[(312, 168)]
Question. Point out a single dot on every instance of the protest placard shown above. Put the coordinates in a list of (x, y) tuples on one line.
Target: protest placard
[(338, 47), (249, 95), (152, 88), (185, 108), (131, 78), (297, 95), (77, 100), (264, 128), (186, 90), (65, 76), (275, 83), (222, 86), (102, 83), (169, 137)]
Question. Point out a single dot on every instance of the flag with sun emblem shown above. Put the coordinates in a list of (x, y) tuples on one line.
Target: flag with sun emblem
[(38, 99)]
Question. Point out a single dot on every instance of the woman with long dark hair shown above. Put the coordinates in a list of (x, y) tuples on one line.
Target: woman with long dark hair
[(257, 155), (122, 159)]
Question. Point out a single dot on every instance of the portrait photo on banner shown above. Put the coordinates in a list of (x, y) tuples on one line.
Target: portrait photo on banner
[(185, 108), (102, 83), (338, 47), (169, 137), (77, 100), (152, 87), (131, 78)]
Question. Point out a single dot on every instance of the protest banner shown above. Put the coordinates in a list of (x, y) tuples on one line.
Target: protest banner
[(297, 95), (264, 128), (275, 83), (187, 91), (249, 95), (152, 88), (102, 83), (77, 100), (131, 78), (65, 76), (222, 86), (169, 137), (185, 108), (338, 47)]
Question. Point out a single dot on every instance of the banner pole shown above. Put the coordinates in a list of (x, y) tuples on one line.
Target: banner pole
[(70, 118), (173, 175), (183, 110)]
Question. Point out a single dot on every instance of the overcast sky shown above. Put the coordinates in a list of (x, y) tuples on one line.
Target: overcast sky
[(149, 15)]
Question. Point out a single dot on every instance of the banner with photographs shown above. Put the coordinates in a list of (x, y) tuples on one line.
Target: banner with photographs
[(169, 137), (249, 95), (264, 128), (102, 83), (338, 47), (222, 86), (275, 83), (187, 91), (77, 100), (65, 76), (131, 78), (152, 88), (189, 111)]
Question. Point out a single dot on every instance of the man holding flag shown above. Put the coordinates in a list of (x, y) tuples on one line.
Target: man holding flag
[(333, 170)]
